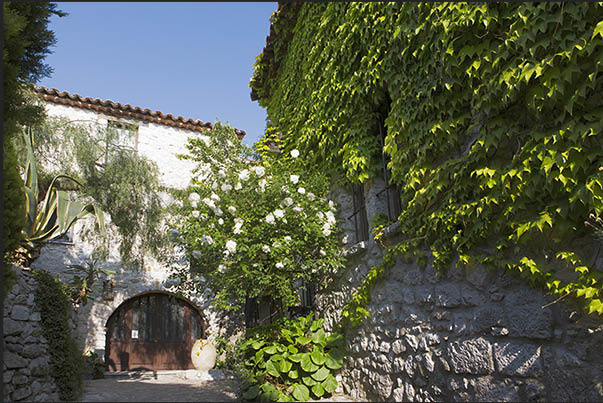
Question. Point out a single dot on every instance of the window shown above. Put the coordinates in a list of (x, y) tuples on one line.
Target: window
[(122, 135), (261, 311), (359, 216), (391, 191)]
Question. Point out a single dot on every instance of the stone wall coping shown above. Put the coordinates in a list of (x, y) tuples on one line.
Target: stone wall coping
[(355, 249)]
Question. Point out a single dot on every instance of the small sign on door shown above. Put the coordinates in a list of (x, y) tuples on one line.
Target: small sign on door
[(134, 334)]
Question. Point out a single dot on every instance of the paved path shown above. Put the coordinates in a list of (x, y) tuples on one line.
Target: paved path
[(166, 388), (169, 386)]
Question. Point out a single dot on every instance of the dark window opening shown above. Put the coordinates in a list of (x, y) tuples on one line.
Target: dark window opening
[(262, 311), (391, 191), (359, 216)]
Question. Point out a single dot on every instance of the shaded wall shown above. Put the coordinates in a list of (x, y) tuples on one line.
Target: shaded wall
[(468, 335)]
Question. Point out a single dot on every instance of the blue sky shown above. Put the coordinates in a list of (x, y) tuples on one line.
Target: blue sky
[(188, 59)]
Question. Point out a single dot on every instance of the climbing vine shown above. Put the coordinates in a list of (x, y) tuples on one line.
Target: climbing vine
[(65, 357), (493, 115)]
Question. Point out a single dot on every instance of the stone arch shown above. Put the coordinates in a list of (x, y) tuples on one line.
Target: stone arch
[(152, 330)]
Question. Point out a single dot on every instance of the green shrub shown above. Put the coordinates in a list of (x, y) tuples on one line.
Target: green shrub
[(65, 357), (291, 361)]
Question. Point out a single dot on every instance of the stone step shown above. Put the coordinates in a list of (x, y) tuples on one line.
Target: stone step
[(211, 375)]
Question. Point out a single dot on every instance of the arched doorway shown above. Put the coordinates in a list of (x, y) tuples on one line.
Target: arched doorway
[(152, 331)]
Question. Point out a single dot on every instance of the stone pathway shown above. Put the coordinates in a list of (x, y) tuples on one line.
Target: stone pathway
[(174, 386), (169, 386)]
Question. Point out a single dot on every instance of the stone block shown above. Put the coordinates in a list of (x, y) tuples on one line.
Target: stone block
[(398, 394), (486, 317), (409, 392), (410, 274), (12, 360), (398, 347), (20, 379), (33, 350), (472, 297), (489, 389), (12, 327), (526, 316), (424, 294), (384, 347), (412, 341), (383, 386), (36, 387), (447, 295), (35, 316), (7, 376), (21, 393), (518, 359), (471, 356), (478, 276)]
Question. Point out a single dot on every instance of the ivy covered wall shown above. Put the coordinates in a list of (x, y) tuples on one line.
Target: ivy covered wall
[(493, 116)]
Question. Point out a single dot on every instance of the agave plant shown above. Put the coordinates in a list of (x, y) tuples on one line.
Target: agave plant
[(52, 216)]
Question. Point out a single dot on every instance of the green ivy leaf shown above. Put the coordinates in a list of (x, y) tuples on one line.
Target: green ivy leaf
[(318, 390), (271, 368), (330, 384), (300, 392), (307, 364), (318, 357), (321, 374)]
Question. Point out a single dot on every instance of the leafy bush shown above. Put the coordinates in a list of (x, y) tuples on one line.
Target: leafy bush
[(65, 357), (94, 365), (292, 361)]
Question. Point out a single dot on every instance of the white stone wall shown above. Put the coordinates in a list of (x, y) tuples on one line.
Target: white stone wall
[(160, 144)]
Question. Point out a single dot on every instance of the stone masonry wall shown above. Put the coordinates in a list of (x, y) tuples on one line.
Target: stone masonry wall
[(468, 335), (27, 374)]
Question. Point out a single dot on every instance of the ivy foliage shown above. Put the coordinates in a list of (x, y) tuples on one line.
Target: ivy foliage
[(494, 118), (291, 361), (65, 358)]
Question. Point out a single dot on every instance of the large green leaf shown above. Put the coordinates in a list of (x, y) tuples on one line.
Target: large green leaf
[(270, 349), (303, 340), (330, 384), (319, 337), (307, 364), (300, 392), (296, 357), (321, 374), (336, 339), (272, 369), (293, 374), (307, 380), (335, 358), (251, 393), (318, 357), (318, 390)]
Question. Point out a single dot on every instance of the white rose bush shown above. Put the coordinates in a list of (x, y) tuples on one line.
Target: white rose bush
[(253, 229)]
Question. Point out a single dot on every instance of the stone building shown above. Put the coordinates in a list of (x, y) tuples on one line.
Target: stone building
[(132, 318), (468, 334)]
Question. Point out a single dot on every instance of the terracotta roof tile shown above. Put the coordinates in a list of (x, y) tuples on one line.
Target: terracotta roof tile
[(116, 109)]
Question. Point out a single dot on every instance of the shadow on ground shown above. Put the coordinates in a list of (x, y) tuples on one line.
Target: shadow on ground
[(164, 389)]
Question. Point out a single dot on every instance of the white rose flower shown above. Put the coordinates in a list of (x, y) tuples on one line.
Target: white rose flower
[(221, 221), (194, 197), (232, 209), (266, 249), (294, 179), (195, 214), (279, 213), (244, 175), (238, 186), (221, 268), (218, 211), (301, 191), (206, 239), (259, 171), (326, 232), (226, 187), (276, 244), (194, 204), (298, 209), (288, 201), (209, 202), (326, 226), (214, 185), (323, 253), (294, 153), (222, 173), (279, 265), (320, 215), (287, 238), (270, 218), (331, 204), (231, 246), (311, 196), (214, 197)]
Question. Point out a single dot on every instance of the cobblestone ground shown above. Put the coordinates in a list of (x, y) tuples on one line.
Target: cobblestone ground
[(167, 388)]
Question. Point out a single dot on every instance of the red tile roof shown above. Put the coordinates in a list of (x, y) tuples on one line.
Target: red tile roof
[(127, 111)]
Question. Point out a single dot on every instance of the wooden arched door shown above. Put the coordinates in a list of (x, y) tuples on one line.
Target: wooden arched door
[(152, 331)]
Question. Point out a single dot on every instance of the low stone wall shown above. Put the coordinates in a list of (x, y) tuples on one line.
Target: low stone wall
[(469, 335), (27, 374)]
